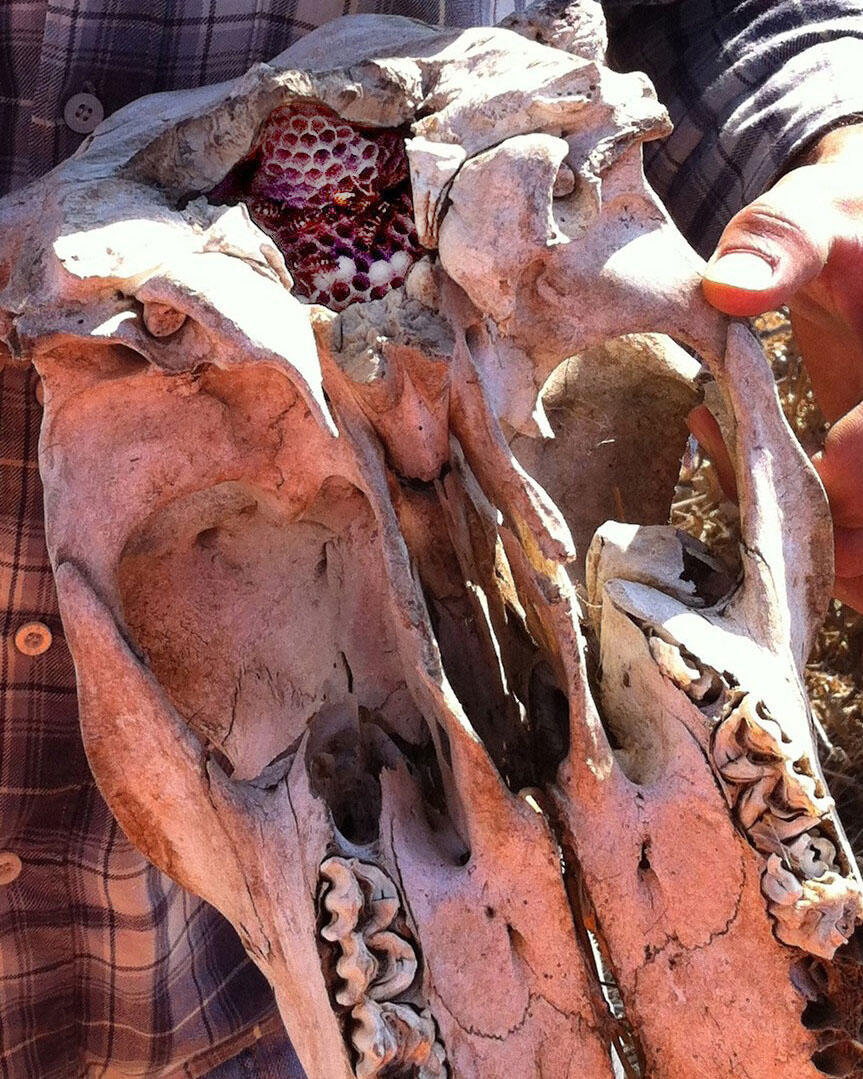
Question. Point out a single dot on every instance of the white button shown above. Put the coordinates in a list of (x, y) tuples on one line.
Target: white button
[(10, 867), (83, 113), (33, 638)]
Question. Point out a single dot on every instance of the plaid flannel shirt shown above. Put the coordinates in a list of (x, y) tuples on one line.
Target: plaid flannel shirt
[(108, 968)]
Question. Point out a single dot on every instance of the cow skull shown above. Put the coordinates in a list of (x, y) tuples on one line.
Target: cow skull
[(317, 570)]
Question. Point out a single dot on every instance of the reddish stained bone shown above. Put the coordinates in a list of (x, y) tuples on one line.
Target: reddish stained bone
[(335, 197), (309, 550)]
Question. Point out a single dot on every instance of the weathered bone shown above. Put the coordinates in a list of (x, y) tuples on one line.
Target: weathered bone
[(318, 575), (377, 967)]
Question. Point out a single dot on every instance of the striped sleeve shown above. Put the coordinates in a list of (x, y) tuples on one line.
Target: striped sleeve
[(749, 85)]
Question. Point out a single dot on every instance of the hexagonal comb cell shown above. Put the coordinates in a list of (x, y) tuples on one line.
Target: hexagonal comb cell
[(335, 197)]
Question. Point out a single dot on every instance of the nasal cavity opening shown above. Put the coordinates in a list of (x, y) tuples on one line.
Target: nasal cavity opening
[(344, 758)]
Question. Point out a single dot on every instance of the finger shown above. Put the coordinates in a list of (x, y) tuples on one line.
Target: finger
[(772, 247), (849, 551), (839, 466), (834, 359), (849, 590), (702, 424)]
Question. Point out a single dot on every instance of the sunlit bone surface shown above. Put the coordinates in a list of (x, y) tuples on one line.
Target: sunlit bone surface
[(317, 570)]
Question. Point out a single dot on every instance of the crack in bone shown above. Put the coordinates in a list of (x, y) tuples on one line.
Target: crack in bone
[(780, 809), (549, 243), (777, 805)]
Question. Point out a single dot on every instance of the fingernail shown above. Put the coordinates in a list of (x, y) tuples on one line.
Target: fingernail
[(741, 269)]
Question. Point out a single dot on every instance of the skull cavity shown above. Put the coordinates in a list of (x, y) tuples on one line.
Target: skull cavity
[(335, 197)]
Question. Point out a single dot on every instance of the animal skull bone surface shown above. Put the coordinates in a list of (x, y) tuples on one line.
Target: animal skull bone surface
[(318, 575)]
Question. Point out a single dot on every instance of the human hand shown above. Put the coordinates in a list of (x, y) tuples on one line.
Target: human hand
[(801, 244)]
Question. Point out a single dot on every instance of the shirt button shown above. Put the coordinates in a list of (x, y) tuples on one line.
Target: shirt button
[(83, 113), (10, 867), (33, 638)]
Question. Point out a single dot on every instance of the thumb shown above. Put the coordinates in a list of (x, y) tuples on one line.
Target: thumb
[(772, 247)]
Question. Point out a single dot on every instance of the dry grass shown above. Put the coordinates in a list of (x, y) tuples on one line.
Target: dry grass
[(834, 676)]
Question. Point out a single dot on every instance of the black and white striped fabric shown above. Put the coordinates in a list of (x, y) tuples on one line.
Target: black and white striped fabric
[(749, 85)]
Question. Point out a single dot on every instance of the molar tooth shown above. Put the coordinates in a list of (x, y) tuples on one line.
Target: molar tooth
[(779, 884), (376, 966), (816, 915), (381, 897), (752, 801), (799, 792), (373, 1040), (741, 770), (344, 899), (771, 833), (390, 1034), (814, 855), (357, 968), (397, 966), (779, 808)]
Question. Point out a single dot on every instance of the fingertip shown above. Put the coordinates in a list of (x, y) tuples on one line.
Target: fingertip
[(744, 270), (741, 283), (838, 467), (772, 247), (737, 302)]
